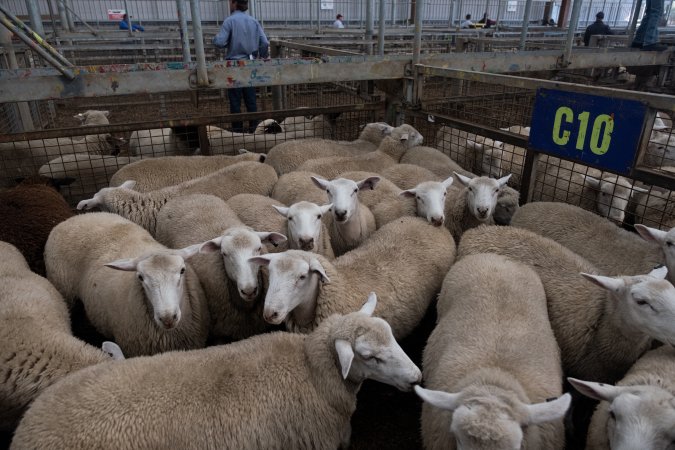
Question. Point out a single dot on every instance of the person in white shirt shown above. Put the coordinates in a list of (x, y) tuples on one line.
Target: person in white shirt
[(467, 23), (338, 22)]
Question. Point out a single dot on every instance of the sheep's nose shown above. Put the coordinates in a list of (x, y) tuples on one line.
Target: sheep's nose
[(340, 215), (482, 212), (272, 318), (306, 244), (248, 293), (169, 321), (437, 221)]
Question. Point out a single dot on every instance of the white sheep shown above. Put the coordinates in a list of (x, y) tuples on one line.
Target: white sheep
[(388, 153), (404, 261), (603, 329), (660, 150), (152, 303), (38, 347), (453, 142), (639, 412), (142, 208), (665, 241), (577, 184), (232, 285), (278, 390), (288, 156), (407, 176), (492, 391), (654, 208), (157, 173), (498, 158), (301, 222), (93, 117), (158, 142), (613, 250), (303, 127)]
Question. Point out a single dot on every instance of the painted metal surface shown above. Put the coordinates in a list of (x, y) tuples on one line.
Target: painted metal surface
[(602, 132)]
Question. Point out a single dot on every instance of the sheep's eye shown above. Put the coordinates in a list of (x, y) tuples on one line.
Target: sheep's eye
[(140, 277), (444, 194), (318, 216), (418, 197), (603, 194), (669, 244), (642, 302), (259, 249), (612, 415), (328, 191), (302, 277), (496, 190), (470, 188), (182, 270), (290, 219), (356, 190)]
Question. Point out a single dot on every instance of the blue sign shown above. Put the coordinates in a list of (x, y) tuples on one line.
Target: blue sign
[(600, 131)]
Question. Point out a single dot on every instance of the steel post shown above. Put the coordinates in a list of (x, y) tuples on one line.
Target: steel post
[(318, 16), (370, 24), (380, 29), (35, 18), (588, 12), (51, 18), (526, 24), (184, 32), (417, 43), (62, 16), (69, 10), (24, 110), (500, 10), (571, 30), (634, 20), (202, 75), (451, 14)]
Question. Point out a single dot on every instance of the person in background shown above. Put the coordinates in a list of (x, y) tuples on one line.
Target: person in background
[(488, 23), (338, 22), (244, 38), (467, 23), (647, 35), (596, 28), (124, 25)]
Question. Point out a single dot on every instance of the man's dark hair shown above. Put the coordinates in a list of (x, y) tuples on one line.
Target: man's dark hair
[(468, 16), (241, 5)]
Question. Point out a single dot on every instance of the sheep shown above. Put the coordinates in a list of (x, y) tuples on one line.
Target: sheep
[(454, 143), (660, 150), (480, 392), (278, 390), (142, 208), (639, 412), (404, 261), (303, 127), (157, 173), (407, 176), (301, 222), (602, 330), (29, 211), (93, 117), (388, 153), (288, 156), (232, 285), (574, 183), (159, 306), (664, 241), (654, 208), (38, 347), (611, 249), (163, 142), (384, 191)]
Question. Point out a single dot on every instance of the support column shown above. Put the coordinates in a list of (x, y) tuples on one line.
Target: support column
[(69, 16), (24, 110), (202, 75), (634, 20), (184, 33), (574, 21), (526, 24), (63, 18), (370, 24), (380, 30), (35, 18)]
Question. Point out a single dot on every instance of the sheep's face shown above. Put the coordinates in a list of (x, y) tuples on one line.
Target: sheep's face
[(666, 240), (645, 303), (237, 246), (661, 148), (342, 194), (293, 286), (482, 194), (304, 224), (491, 164), (430, 198), (507, 205), (407, 135), (612, 195), (640, 416)]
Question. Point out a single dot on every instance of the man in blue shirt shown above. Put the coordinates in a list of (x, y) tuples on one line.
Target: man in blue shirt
[(124, 25), (245, 39)]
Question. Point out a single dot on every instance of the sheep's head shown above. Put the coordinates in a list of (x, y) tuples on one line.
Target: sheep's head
[(93, 117), (612, 195), (430, 198), (665, 240), (507, 205), (641, 416), (482, 194), (481, 420), (237, 245), (342, 194), (366, 349), (99, 200), (407, 135), (304, 224)]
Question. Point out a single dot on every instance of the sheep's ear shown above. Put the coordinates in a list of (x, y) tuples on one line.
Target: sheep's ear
[(262, 158), (113, 350), (260, 260), (129, 184), (89, 203), (126, 264), (369, 182), (639, 190), (369, 306), (464, 180), (189, 251), (659, 272), (81, 117), (590, 181), (548, 411), (106, 113), (409, 193), (404, 137), (272, 237), (651, 234), (283, 210), (609, 283), (325, 208), (243, 151), (320, 183), (503, 180), (439, 399), (474, 145), (597, 391), (448, 182), (315, 266), (210, 246), (345, 355)]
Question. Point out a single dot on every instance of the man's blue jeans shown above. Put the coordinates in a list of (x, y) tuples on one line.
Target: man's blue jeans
[(235, 95), (648, 32)]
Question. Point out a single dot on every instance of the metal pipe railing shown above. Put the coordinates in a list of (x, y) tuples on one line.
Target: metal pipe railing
[(202, 75), (380, 29), (574, 22), (35, 19), (70, 20), (184, 33), (526, 24), (417, 43)]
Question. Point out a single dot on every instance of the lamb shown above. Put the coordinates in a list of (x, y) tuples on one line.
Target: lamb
[(301, 222), (492, 391), (157, 173), (660, 150), (159, 306), (654, 208), (453, 142), (388, 153), (278, 390), (664, 241), (384, 191), (407, 176), (288, 156), (404, 261), (602, 330), (303, 127), (142, 208), (641, 404), (498, 158), (611, 249), (574, 183), (93, 117), (232, 286), (29, 211), (38, 347), (163, 142)]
